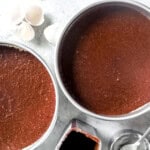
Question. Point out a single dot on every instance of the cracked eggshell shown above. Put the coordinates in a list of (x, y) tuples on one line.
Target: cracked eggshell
[(34, 15), (53, 32), (11, 14), (25, 32), (15, 14)]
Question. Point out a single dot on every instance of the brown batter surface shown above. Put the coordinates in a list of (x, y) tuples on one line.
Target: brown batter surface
[(110, 66), (27, 99)]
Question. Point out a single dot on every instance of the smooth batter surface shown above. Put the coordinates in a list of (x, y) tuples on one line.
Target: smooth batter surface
[(109, 70), (27, 99)]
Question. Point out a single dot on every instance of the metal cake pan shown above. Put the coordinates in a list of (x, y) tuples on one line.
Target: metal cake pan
[(83, 14)]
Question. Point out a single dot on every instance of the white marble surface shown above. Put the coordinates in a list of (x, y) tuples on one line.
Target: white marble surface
[(58, 11)]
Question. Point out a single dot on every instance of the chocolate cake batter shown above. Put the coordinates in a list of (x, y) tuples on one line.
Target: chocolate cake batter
[(107, 66), (27, 99)]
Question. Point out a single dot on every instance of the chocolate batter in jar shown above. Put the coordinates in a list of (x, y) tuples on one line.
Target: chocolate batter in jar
[(105, 60), (27, 99)]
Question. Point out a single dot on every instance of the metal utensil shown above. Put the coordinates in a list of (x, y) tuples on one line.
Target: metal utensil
[(135, 146)]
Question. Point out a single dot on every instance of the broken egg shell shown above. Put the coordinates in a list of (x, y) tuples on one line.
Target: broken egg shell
[(53, 32), (25, 32), (13, 14), (16, 15), (34, 15)]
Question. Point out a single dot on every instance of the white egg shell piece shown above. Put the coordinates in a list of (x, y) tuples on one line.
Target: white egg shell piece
[(13, 12), (16, 14), (52, 32), (34, 15), (25, 32)]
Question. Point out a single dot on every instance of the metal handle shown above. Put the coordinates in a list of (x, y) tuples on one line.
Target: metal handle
[(144, 135)]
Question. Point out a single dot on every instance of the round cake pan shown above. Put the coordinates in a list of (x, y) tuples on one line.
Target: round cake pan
[(131, 4), (52, 124)]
